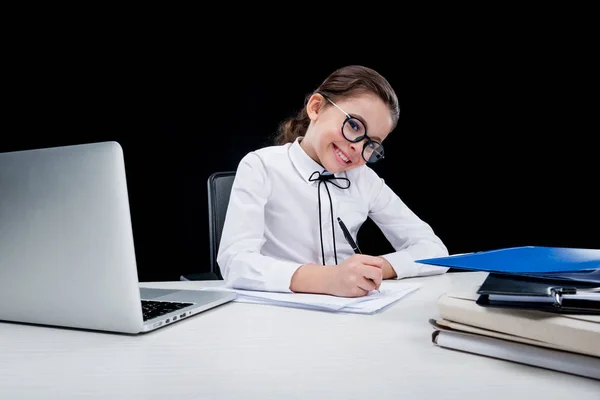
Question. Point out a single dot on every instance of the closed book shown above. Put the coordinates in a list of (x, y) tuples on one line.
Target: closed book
[(512, 348)]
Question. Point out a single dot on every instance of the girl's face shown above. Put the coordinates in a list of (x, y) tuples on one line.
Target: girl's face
[(324, 141)]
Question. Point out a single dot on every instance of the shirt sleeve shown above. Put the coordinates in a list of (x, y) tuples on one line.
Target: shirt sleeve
[(410, 236), (239, 257)]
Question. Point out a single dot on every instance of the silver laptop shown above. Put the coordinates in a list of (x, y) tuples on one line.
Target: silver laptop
[(66, 245)]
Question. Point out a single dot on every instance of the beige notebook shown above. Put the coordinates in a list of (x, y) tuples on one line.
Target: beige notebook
[(569, 332)]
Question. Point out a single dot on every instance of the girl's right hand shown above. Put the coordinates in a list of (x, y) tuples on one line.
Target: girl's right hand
[(356, 276)]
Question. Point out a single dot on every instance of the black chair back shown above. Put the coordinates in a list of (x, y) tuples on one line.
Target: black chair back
[(219, 189)]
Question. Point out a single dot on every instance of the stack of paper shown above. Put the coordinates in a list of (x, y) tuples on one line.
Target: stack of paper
[(375, 301)]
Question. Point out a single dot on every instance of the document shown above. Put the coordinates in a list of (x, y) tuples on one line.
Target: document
[(389, 292)]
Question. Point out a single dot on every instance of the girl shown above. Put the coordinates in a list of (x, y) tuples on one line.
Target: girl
[(282, 232)]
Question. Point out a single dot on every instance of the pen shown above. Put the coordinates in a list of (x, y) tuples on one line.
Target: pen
[(348, 237), (350, 240)]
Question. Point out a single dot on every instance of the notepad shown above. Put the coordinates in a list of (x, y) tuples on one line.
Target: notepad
[(389, 292)]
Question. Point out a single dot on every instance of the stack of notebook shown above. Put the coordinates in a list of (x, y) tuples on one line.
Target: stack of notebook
[(538, 306)]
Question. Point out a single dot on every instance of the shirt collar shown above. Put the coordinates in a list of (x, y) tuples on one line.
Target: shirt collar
[(305, 165)]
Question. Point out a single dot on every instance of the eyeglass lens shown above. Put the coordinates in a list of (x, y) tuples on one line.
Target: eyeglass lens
[(354, 131)]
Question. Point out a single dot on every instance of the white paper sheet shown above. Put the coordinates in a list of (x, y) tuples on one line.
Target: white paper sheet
[(389, 292)]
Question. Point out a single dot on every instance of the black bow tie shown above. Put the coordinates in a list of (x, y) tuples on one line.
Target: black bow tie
[(344, 183), (327, 177)]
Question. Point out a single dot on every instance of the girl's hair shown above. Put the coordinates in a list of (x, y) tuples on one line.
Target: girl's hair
[(344, 82)]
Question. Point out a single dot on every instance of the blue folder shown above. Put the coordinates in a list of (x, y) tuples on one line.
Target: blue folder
[(527, 260)]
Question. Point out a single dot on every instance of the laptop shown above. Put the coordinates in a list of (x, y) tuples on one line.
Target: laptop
[(67, 256)]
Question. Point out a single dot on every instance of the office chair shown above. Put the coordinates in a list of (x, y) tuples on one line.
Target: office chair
[(219, 188)]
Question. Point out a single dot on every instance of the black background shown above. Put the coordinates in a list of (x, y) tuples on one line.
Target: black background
[(496, 144)]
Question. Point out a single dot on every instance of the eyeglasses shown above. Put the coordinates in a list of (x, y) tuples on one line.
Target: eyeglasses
[(354, 131)]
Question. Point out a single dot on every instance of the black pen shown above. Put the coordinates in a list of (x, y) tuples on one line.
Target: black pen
[(348, 237), (350, 240)]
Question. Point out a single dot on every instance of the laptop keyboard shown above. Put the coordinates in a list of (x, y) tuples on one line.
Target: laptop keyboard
[(152, 309)]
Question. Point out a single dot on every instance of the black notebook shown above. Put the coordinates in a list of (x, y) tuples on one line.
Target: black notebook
[(526, 292)]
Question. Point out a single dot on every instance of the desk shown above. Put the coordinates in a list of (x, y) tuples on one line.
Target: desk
[(248, 351)]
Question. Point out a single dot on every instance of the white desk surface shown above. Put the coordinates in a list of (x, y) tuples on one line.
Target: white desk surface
[(249, 351)]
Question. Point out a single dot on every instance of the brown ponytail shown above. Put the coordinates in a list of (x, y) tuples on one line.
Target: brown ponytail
[(293, 127)]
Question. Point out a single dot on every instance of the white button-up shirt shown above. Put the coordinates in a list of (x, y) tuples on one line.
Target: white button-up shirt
[(272, 222)]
